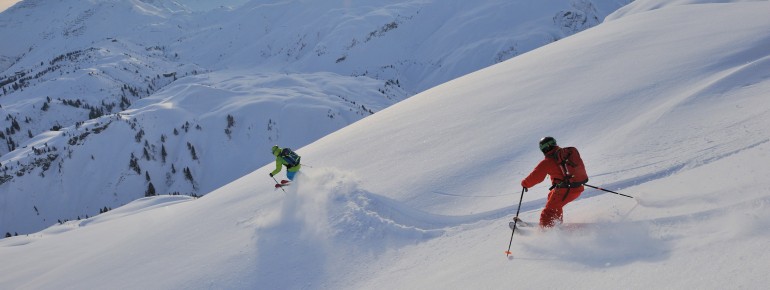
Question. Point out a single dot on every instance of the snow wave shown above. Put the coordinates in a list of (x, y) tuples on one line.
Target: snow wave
[(325, 219), (332, 202)]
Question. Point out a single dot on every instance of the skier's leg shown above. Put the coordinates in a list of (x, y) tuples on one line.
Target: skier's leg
[(552, 210), (554, 207), (573, 194)]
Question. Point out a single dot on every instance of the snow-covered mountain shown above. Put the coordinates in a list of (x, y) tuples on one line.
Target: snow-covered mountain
[(665, 103), (106, 101)]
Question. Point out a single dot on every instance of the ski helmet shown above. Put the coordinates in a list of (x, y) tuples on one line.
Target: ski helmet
[(276, 150), (547, 144)]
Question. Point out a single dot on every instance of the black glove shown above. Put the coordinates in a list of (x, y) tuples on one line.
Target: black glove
[(525, 189), (271, 174)]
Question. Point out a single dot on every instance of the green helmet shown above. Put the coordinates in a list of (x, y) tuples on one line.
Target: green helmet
[(276, 150), (547, 144)]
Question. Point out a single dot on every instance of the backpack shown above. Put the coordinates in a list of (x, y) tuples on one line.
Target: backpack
[(572, 166), (291, 158)]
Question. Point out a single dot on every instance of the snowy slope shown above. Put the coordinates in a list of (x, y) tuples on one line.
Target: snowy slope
[(4, 4), (106, 101), (667, 105)]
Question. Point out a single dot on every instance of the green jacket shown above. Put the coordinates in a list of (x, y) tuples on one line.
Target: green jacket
[(279, 163)]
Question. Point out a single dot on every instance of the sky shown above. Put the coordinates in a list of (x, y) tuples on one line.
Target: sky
[(419, 195)]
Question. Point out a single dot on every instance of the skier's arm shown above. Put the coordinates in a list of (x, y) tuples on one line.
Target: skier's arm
[(278, 165), (536, 176)]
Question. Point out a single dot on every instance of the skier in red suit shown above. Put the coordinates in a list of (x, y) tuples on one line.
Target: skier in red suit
[(563, 189)]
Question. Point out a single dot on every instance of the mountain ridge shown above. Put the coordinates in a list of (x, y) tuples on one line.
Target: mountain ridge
[(97, 64)]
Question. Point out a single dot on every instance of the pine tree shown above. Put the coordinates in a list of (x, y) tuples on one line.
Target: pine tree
[(150, 190), (139, 136), (230, 121), (192, 151), (146, 154), (133, 163), (188, 174)]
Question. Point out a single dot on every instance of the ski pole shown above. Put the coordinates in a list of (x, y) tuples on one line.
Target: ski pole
[(610, 191), (276, 183), (515, 220)]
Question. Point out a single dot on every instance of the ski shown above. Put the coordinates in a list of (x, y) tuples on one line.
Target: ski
[(519, 223), (282, 184)]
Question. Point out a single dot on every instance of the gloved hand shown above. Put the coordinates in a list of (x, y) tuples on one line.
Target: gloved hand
[(525, 189), (271, 174)]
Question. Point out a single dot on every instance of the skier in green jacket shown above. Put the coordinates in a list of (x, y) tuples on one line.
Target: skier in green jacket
[(286, 157)]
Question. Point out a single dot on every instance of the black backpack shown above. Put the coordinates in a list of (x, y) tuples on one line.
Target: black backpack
[(291, 158)]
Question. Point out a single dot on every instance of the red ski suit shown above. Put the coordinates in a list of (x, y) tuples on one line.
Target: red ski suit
[(556, 198)]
